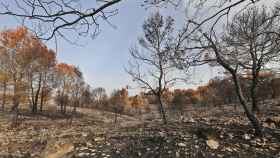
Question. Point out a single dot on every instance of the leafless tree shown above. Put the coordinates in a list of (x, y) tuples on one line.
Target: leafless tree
[(117, 103), (99, 95), (252, 39), (76, 91), (151, 67), (48, 85), (249, 42), (86, 96)]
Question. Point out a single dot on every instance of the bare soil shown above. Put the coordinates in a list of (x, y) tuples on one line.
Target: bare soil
[(203, 132)]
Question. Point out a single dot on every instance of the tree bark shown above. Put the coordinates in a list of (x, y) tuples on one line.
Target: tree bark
[(35, 97), (61, 106), (64, 106), (37, 93), (255, 107), (116, 115), (33, 108), (42, 100), (162, 110), (254, 121), (15, 97)]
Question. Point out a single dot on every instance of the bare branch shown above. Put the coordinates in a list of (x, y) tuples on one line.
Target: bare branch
[(57, 16)]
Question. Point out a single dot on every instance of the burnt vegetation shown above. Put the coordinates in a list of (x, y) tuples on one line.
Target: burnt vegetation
[(49, 110)]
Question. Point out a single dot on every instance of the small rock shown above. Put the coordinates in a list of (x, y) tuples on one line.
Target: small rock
[(229, 149), (84, 134), (177, 154), (230, 135), (89, 144), (272, 148), (162, 134), (191, 120), (246, 136), (83, 148), (83, 154), (98, 139), (213, 144), (182, 145)]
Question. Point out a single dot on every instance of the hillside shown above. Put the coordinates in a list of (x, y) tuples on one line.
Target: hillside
[(205, 132)]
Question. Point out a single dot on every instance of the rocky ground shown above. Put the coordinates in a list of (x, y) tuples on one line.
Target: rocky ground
[(218, 132)]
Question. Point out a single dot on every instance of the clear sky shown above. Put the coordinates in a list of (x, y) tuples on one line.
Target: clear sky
[(102, 60)]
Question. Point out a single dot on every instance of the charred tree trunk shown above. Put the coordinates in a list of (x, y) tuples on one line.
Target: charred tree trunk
[(162, 110), (64, 108), (116, 115), (43, 91), (35, 97), (42, 98), (61, 106), (31, 97), (15, 97), (38, 92), (33, 106), (73, 114), (255, 107), (252, 118), (233, 71), (254, 84), (15, 106)]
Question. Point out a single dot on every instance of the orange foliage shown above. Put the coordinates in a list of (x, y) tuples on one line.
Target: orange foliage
[(27, 48), (185, 96), (262, 74), (66, 69), (137, 101), (167, 96), (11, 38)]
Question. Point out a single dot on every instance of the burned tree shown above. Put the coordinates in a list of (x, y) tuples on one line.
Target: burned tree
[(69, 80), (118, 100), (151, 67), (99, 96), (249, 42), (252, 39)]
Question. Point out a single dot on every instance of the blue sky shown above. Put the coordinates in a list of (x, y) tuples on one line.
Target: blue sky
[(102, 60)]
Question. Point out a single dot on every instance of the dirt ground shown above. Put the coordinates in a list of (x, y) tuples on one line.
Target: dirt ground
[(203, 132)]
